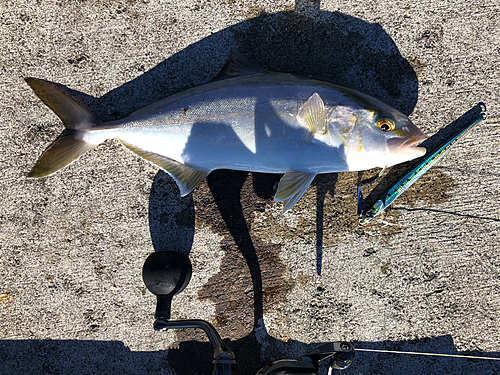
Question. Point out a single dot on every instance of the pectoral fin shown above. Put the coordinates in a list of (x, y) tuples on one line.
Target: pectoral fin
[(312, 115), (187, 178), (292, 187)]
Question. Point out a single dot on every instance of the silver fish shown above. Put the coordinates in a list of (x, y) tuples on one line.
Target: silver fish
[(249, 120)]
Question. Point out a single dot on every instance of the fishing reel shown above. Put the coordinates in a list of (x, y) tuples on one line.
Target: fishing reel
[(167, 273), (341, 355)]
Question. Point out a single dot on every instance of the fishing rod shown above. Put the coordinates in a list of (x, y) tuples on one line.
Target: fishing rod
[(341, 359)]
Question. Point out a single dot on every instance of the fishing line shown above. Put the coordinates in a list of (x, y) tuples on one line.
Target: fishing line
[(447, 212), (427, 354)]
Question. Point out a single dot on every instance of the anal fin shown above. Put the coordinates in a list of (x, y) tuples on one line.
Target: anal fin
[(292, 187), (187, 178)]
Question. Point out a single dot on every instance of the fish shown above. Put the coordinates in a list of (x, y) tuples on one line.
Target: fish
[(246, 119), (410, 177)]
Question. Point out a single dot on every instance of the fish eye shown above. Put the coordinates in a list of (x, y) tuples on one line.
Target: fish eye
[(386, 124)]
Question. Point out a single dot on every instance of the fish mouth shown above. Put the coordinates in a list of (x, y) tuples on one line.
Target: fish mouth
[(405, 149), (406, 145), (410, 146)]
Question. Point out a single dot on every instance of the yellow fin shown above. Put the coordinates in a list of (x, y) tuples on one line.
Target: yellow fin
[(71, 144), (292, 187), (187, 178), (67, 148), (72, 113), (312, 115)]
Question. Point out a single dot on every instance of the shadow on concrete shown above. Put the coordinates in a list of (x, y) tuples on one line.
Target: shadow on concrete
[(308, 41), (171, 217), (40, 357)]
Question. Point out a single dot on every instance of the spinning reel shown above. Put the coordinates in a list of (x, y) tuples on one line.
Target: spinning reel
[(167, 273)]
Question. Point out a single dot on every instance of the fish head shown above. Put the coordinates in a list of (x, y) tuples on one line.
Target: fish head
[(382, 137), (402, 143)]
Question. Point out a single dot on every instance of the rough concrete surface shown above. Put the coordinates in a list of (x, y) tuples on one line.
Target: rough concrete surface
[(423, 278)]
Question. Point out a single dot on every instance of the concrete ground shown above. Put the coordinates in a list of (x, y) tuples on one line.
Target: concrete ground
[(423, 278)]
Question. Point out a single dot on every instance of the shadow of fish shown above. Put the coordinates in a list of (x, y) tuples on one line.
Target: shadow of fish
[(246, 119)]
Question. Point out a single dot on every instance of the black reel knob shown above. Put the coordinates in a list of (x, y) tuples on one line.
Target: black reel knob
[(166, 273)]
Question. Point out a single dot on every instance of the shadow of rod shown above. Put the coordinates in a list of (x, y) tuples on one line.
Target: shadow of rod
[(320, 201)]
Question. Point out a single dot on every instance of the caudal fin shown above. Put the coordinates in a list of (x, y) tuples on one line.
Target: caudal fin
[(71, 143)]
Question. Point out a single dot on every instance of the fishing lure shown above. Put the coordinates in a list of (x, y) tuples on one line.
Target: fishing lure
[(400, 186)]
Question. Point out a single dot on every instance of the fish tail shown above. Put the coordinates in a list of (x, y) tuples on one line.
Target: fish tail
[(72, 143)]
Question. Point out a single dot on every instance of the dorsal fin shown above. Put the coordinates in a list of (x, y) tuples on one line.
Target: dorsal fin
[(238, 64)]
